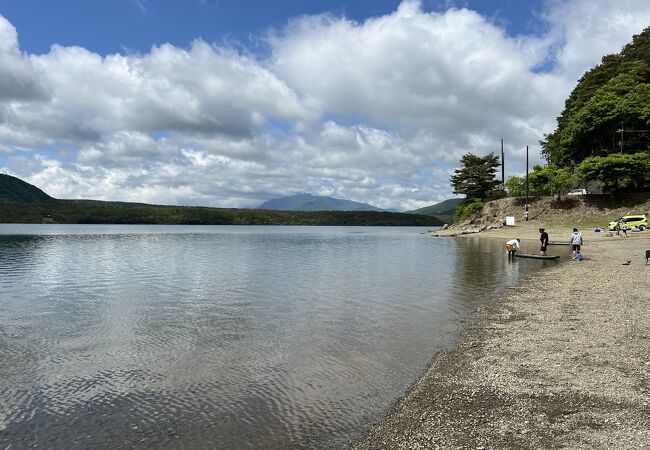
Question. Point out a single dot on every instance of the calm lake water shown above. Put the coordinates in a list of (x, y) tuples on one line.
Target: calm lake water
[(224, 336)]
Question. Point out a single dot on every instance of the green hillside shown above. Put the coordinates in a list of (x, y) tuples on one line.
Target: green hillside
[(21, 202), (15, 190), (97, 212), (608, 111), (445, 210)]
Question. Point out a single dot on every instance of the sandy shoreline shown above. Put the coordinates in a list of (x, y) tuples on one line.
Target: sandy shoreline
[(560, 362)]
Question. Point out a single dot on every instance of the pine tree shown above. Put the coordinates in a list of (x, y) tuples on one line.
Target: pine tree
[(476, 177)]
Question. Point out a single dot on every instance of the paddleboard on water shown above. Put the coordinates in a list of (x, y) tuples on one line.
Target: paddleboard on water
[(533, 256)]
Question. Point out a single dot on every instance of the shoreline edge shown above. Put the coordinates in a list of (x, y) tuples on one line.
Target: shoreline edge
[(560, 362)]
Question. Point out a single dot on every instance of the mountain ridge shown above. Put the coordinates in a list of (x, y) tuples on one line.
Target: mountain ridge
[(309, 202), (445, 208), (15, 190)]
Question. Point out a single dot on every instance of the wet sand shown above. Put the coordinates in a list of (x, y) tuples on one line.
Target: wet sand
[(562, 361)]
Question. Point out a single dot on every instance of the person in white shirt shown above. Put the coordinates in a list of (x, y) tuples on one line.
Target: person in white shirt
[(512, 246), (576, 242)]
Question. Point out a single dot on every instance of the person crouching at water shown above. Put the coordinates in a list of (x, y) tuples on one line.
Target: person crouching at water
[(576, 242), (512, 247), (543, 237)]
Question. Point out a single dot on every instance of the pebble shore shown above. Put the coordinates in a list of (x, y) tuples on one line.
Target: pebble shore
[(562, 361)]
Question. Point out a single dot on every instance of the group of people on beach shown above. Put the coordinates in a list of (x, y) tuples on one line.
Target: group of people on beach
[(622, 227), (512, 246)]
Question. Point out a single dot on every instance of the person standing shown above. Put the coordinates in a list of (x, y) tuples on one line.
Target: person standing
[(576, 242), (543, 237), (624, 228), (512, 247)]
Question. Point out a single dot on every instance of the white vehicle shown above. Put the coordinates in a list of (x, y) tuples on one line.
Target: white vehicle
[(577, 192)]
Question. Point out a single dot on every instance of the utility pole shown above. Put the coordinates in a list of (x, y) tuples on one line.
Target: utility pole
[(503, 168), (620, 143), (622, 130), (526, 183)]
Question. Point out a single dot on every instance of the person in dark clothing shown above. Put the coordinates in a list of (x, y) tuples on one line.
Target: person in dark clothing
[(543, 237)]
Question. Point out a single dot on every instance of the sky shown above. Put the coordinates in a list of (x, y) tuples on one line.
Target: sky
[(229, 103)]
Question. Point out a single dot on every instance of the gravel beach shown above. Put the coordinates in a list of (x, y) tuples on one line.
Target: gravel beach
[(562, 361)]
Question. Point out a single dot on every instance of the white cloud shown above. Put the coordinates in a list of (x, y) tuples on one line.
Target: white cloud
[(142, 5), (376, 111), (403, 67), (590, 29), (202, 90), (18, 79)]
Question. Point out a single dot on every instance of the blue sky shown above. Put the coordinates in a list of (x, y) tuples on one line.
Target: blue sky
[(230, 103), (135, 25)]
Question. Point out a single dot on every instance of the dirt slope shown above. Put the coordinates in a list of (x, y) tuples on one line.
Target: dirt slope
[(586, 211)]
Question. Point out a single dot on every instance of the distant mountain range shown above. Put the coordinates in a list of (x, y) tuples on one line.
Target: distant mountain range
[(21, 202), (445, 210), (15, 190), (308, 202)]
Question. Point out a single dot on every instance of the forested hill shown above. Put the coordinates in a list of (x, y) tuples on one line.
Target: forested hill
[(15, 190), (444, 208), (98, 212), (20, 202), (608, 111)]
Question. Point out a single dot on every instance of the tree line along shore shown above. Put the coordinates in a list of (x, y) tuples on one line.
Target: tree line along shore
[(21, 202), (96, 212)]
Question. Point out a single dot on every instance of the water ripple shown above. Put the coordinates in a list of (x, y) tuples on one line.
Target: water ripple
[(230, 337)]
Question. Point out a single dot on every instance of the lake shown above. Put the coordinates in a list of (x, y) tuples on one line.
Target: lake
[(225, 336)]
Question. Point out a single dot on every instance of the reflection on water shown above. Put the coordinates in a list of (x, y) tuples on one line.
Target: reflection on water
[(229, 337)]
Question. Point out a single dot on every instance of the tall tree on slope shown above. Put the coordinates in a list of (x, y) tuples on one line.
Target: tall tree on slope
[(477, 176)]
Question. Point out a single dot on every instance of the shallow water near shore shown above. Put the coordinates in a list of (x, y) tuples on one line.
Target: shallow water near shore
[(225, 336)]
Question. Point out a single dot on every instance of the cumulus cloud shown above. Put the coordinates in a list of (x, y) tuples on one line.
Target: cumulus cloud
[(200, 90), (453, 77), (18, 79), (203, 90), (586, 30), (377, 111), (404, 67)]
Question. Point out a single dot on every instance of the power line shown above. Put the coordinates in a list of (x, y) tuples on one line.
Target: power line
[(622, 130)]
